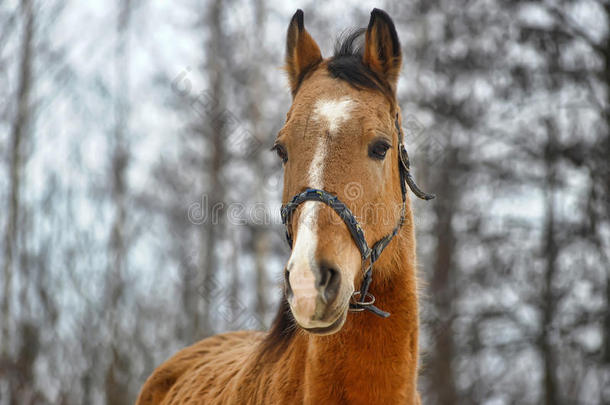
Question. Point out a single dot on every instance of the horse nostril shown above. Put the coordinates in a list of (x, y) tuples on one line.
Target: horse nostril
[(329, 282)]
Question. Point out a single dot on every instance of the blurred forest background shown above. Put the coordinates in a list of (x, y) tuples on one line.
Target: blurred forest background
[(140, 201)]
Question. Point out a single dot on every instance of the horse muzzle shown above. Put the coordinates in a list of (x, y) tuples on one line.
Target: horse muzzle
[(314, 293)]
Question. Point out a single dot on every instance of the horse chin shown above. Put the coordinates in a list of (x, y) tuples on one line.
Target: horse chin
[(334, 327)]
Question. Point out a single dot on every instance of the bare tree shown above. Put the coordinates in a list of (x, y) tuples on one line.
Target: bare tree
[(116, 383), (260, 232), (214, 132), (19, 132), (18, 366), (443, 153)]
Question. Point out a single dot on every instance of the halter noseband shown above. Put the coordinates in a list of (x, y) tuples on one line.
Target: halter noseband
[(361, 300)]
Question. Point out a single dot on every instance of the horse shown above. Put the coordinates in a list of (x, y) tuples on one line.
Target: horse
[(340, 336)]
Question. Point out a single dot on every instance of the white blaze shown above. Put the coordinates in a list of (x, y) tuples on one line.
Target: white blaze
[(334, 112), (302, 278), (331, 113)]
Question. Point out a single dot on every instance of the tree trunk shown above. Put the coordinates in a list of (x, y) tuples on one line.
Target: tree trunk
[(550, 253), (605, 176), (261, 236), (17, 139), (116, 386), (441, 287), (20, 391), (214, 131)]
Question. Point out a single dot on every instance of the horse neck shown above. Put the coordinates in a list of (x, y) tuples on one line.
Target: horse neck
[(371, 359)]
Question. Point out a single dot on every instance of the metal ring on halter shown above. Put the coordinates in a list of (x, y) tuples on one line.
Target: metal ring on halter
[(360, 305)]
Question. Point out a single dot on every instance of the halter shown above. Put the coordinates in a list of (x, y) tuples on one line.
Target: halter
[(361, 300)]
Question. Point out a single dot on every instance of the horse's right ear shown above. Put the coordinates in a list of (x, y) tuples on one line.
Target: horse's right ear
[(302, 52)]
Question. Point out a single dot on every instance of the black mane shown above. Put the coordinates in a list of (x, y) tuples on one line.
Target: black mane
[(282, 331), (346, 64)]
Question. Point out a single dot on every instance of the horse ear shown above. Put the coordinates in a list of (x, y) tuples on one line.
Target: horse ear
[(382, 53), (302, 52)]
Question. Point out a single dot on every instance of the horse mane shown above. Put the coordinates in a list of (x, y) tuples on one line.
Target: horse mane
[(282, 331), (346, 64)]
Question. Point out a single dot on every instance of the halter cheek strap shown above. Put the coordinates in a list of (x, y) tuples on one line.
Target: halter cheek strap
[(361, 300)]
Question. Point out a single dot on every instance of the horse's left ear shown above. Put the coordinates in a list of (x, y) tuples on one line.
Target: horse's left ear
[(382, 53)]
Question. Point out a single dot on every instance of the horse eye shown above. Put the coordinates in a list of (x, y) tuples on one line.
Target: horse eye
[(378, 149), (281, 152)]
